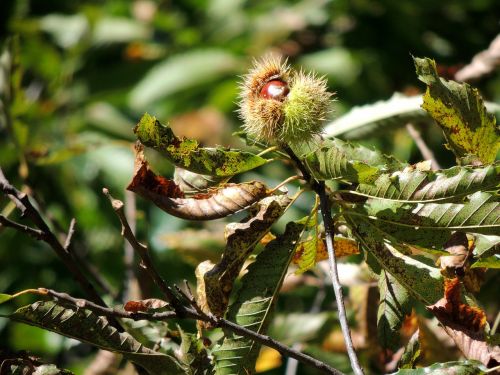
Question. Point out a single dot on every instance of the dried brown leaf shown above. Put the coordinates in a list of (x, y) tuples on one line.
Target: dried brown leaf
[(215, 282), (144, 305), (465, 325), (215, 204)]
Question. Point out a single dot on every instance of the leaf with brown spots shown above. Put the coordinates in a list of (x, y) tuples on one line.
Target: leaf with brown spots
[(459, 110), (187, 154), (465, 325)]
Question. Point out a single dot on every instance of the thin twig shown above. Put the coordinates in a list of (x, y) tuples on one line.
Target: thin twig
[(191, 313), (27, 209), (319, 189), (69, 236), (106, 311), (426, 152), (337, 288), (128, 256), (143, 252), (35, 233)]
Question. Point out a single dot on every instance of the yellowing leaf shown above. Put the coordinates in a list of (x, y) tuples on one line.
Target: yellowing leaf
[(267, 360), (314, 250), (460, 111)]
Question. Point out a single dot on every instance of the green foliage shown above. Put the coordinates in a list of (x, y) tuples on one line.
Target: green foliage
[(186, 153), (254, 302), (86, 71), (416, 185), (85, 326)]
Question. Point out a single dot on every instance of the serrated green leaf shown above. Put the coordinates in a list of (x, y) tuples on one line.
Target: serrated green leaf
[(423, 224), (186, 153), (447, 368), (336, 159), (459, 110), (393, 307), (405, 269), (254, 302), (430, 186), (85, 326)]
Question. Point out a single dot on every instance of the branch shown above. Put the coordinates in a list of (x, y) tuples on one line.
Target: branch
[(483, 63), (426, 152), (106, 311), (194, 313), (44, 233), (143, 252), (35, 233), (337, 288), (319, 188), (69, 236)]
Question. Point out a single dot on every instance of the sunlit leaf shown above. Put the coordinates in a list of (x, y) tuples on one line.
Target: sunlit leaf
[(459, 110), (412, 184), (489, 262), (336, 159), (254, 302), (85, 326), (404, 268), (393, 307), (423, 224), (187, 154), (215, 204), (485, 246)]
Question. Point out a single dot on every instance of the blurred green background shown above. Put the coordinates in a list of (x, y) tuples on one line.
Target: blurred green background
[(85, 71)]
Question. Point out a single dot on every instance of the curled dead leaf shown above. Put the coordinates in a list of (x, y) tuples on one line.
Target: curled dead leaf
[(215, 281), (465, 325), (215, 204)]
